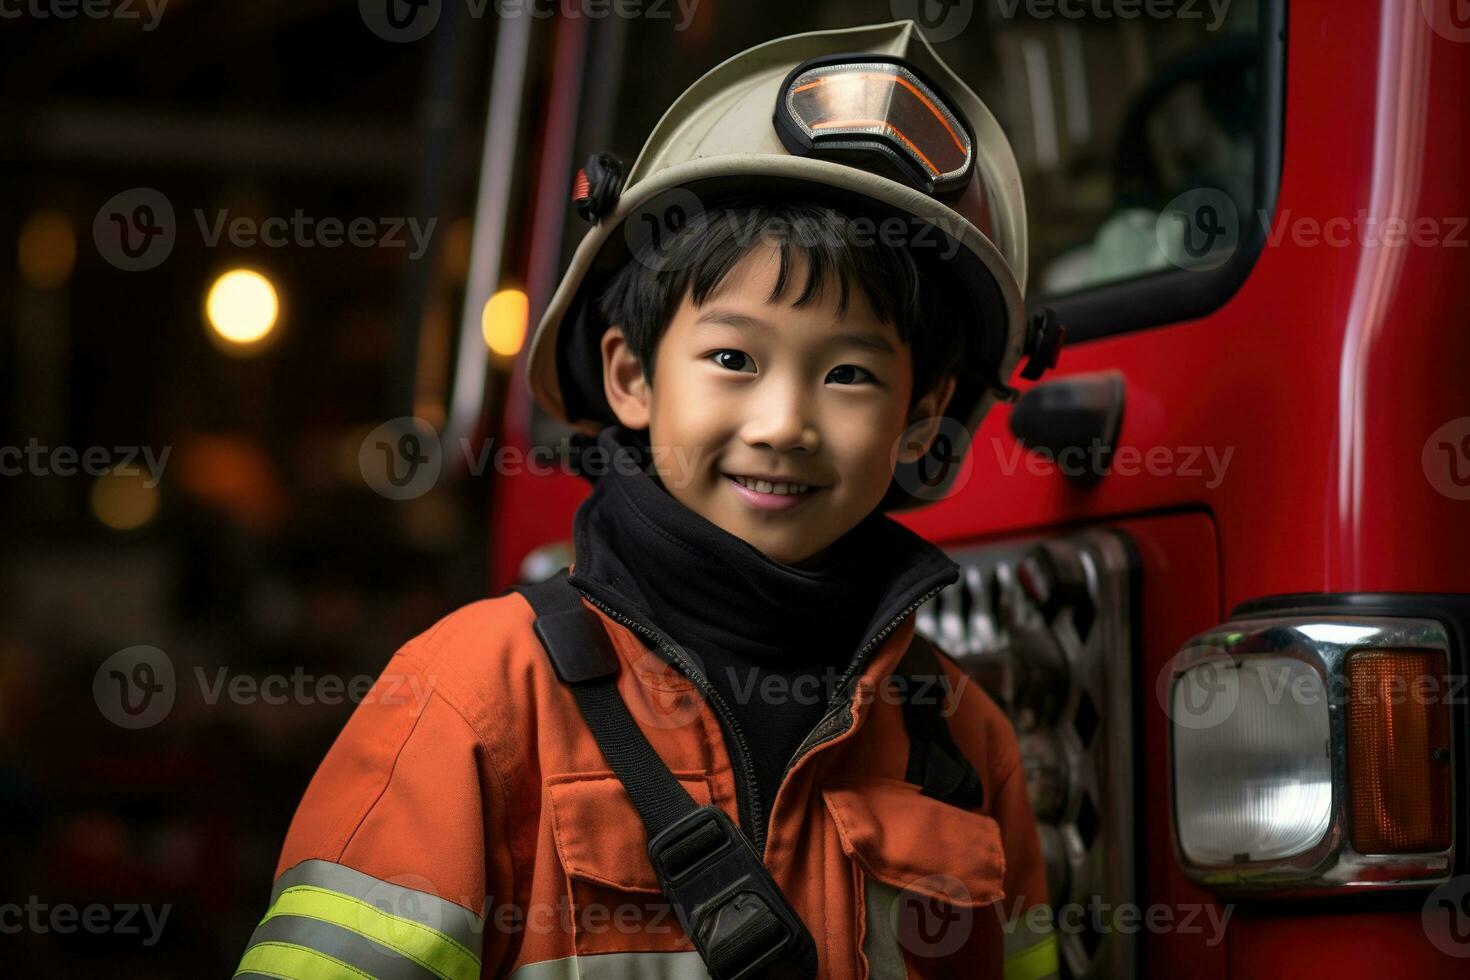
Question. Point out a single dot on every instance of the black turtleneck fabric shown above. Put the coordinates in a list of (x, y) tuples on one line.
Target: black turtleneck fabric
[(771, 638)]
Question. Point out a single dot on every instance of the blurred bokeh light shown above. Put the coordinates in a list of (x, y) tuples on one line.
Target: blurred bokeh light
[(242, 307)]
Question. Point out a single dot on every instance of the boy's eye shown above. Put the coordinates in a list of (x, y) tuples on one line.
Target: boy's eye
[(844, 374), (734, 360)]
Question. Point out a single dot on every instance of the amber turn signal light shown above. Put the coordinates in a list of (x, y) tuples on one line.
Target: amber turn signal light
[(1398, 751)]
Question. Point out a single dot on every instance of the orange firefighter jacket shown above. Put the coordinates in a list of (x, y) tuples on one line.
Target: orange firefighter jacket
[(465, 824)]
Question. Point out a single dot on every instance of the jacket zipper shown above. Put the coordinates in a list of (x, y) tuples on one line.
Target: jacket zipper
[(839, 708), (751, 818)]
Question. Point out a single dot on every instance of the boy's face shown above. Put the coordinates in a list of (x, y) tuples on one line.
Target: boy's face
[(751, 388)]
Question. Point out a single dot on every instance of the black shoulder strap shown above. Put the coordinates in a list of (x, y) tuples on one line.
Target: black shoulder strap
[(935, 761), (584, 659), (726, 900)]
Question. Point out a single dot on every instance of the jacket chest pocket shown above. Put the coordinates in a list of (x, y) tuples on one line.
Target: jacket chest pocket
[(614, 901), (927, 875)]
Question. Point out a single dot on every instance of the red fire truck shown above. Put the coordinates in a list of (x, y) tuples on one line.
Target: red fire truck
[(1215, 560)]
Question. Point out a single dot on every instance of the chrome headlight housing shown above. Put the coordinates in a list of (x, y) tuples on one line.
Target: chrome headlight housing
[(1313, 755)]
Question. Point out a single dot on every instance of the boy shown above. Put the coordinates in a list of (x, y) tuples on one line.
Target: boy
[(709, 750)]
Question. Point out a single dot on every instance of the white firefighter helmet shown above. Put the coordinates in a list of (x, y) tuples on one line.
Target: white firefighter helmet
[(865, 118)]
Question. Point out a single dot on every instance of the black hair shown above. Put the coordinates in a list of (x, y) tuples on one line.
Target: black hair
[(906, 284)]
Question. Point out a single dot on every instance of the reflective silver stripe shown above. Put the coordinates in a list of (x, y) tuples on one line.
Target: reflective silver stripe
[(342, 944), (617, 966), (455, 921), (880, 942)]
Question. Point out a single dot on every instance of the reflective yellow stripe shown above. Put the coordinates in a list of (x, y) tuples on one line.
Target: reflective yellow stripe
[(290, 962), (1034, 962), (442, 955)]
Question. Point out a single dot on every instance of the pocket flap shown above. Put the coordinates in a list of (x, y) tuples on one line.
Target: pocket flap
[(914, 842), (599, 834)]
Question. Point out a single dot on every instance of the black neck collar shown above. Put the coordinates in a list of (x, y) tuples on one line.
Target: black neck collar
[(660, 563)]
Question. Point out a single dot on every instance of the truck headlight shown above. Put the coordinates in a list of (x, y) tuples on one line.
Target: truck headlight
[(1252, 782), (1313, 755)]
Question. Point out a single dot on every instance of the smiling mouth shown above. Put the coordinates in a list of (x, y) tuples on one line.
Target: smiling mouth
[(769, 495), (778, 488)]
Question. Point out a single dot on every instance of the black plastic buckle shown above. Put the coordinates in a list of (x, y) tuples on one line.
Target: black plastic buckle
[(727, 902)]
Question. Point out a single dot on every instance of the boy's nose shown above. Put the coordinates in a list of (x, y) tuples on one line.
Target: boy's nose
[(780, 418)]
